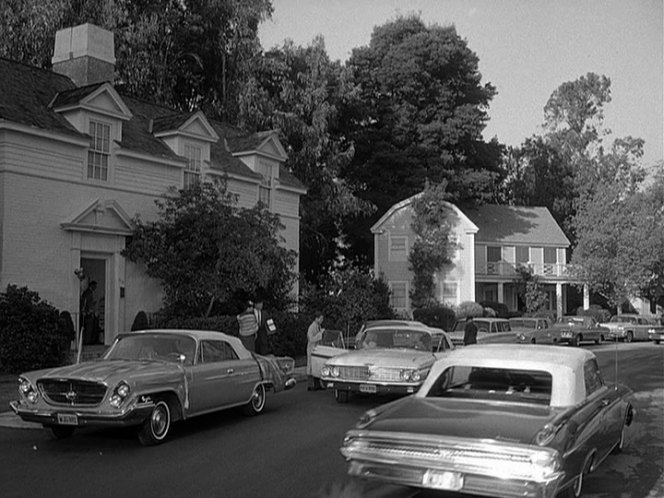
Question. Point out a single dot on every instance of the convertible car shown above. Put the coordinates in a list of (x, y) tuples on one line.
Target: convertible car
[(390, 357), (496, 420), (150, 379)]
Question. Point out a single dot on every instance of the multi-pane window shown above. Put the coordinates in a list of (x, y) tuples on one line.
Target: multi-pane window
[(398, 295), (264, 195), (522, 254), (550, 255), (494, 253), (398, 248), (100, 149), (450, 292), (192, 171)]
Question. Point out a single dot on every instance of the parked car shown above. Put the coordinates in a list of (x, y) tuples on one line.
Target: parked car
[(657, 333), (390, 357), (630, 327), (496, 420), (150, 379), (575, 329), (489, 330), (532, 330)]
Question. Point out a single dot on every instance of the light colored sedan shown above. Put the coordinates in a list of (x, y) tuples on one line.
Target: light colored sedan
[(150, 379), (390, 357)]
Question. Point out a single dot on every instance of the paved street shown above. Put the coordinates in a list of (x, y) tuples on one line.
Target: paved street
[(292, 450)]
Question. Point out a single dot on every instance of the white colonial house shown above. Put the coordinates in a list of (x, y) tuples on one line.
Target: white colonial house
[(79, 159), (492, 241)]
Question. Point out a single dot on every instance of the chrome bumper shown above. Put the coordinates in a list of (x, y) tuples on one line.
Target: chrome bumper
[(480, 485), (132, 415)]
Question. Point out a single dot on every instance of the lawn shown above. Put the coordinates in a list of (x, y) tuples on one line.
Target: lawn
[(8, 391)]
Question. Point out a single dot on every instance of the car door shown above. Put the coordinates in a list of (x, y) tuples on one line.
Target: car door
[(220, 378), (500, 332), (604, 408)]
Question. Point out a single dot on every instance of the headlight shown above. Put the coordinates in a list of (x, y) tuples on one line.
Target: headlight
[(27, 390), (522, 337), (119, 395), (406, 375), (325, 371), (335, 372)]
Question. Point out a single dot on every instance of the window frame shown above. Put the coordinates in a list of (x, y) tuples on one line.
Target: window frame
[(405, 297), (400, 255), (99, 151), (193, 154)]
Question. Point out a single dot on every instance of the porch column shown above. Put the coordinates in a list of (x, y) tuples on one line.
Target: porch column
[(501, 292), (586, 297), (559, 300)]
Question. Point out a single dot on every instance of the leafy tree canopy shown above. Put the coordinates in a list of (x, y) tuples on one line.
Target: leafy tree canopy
[(296, 90), (206, 251), (418, 114)]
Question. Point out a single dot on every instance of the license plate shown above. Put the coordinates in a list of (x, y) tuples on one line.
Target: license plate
[(368, 388), (67, 419), (436, 479)]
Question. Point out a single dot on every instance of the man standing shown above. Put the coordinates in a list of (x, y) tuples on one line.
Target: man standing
[(87, 310), (469, 332), (314, 336), (248, 326), (262, 346)]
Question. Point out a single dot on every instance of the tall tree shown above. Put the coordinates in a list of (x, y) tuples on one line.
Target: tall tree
[(206, 251), (418, 115), (296, 90)]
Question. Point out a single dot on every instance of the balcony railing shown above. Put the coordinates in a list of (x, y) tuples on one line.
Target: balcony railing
[(505, 269)]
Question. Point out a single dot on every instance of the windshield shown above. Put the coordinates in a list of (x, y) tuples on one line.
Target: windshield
[(522, 322), (523, 386), (396, 339), (164, 347), (622, 319), (570, 321)]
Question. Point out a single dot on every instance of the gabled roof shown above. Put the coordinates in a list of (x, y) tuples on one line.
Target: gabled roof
[(517, 225), (29, 96), (377, 227), (25, 95)]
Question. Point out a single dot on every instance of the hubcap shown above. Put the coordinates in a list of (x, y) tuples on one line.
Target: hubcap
[(159, 420)]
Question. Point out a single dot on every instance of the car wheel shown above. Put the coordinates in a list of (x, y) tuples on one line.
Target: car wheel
[(629, 337), (341, 396), (257, 402), (59, 432), (599, 339), (155, 428), (533, 341), (575, 341), (575, 490), (657, 341)]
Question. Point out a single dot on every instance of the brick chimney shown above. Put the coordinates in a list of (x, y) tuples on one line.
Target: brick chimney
[(85, 54)]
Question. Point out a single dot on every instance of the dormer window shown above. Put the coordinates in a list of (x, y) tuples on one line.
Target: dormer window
[(264, 195), (192, 172), (100, 149)]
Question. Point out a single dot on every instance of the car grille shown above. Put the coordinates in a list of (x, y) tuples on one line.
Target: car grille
[(72, 392), (373, 374), (354, 373)]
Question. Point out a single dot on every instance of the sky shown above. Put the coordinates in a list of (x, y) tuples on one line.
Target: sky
[(526, 49)]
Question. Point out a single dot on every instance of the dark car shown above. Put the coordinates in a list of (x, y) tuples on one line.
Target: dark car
[(575, 329), (496, 420)]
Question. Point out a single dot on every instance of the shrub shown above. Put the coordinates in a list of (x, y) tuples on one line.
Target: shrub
[(33, 334), (469, 308), (501, 310), (140, 322), (436, 316), (599, 313)]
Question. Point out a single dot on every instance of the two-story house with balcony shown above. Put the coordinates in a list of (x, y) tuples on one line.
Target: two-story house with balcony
[(491, 242), (79, 159)]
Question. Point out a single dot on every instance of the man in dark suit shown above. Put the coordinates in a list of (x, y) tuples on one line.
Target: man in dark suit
[(262, 346), (470, 332)]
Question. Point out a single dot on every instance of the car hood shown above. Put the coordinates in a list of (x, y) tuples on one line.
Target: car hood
[(107, 370), (512, 422), (614, 326), (405, 358)]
